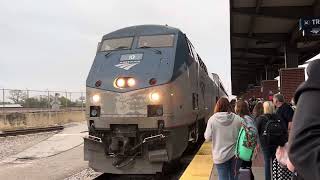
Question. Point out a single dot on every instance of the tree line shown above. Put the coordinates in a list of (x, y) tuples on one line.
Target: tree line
[(42, 101)]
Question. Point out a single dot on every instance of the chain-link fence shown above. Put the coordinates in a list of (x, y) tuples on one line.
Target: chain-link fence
[(17, 100)]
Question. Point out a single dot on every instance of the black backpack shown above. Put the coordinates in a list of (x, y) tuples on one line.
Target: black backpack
[(274, 133)]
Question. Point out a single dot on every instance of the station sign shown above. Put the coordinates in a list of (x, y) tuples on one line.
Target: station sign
[(310, 26)]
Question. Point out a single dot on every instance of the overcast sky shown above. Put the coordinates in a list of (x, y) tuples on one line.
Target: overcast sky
[(51, 44)]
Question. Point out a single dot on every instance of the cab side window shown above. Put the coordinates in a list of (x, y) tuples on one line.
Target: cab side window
[(202, 65), (189, 48), (192, 51)]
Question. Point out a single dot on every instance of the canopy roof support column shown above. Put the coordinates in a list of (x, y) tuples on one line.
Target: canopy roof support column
[(291, 57)]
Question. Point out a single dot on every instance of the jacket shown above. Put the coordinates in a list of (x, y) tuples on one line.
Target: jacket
[(304, 140), (223, 129)]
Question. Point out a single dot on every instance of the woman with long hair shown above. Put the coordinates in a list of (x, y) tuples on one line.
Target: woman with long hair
[(222, 129), (242, 109), (257, 110), (269, 152)]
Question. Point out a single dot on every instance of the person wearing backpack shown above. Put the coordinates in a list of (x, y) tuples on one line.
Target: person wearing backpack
[(272, 134), (222, 130), (247, 138), (284, 110)]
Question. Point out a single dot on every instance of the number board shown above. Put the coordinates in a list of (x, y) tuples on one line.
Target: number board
[(131, 57)]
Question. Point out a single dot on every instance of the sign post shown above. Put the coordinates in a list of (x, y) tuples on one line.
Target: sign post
[(310, 26)]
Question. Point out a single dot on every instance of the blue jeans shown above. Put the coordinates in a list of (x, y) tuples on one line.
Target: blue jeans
[(229, 169), (268, 155)]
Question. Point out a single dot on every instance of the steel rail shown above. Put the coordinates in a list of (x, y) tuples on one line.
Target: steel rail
[(29, 131)]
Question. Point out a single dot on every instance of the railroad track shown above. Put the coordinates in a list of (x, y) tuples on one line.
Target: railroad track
[(29, 131)]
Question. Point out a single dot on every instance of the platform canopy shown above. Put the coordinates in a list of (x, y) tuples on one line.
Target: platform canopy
[(265, 37)]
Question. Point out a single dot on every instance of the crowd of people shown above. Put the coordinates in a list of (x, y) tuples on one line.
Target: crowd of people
[(287, 136)]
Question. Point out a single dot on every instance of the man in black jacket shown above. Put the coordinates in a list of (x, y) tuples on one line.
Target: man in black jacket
[(284, 111), (304, 141)]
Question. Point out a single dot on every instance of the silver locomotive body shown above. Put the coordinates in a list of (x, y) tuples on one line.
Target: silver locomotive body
[(136, 129)]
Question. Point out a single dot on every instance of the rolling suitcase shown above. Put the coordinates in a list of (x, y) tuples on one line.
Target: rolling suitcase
[(245, 174)]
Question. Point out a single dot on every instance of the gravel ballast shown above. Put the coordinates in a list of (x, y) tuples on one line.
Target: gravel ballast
[(86, 174), (12, 145)]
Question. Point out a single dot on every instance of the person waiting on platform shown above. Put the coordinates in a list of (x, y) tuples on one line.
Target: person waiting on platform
[(256, 113), (233, 104), (242, 109), (269, 151), (257, 110), (304, 140), (284, 111), (222, 129)]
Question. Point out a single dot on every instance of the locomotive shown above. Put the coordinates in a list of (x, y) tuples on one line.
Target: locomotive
[(149, 96)]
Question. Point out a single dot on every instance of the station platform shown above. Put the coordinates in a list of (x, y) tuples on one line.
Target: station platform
[(202, 167)]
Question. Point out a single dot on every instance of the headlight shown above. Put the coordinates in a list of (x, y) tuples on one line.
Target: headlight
[(96, 98), (120, 83), (155, 96), (131, 82)]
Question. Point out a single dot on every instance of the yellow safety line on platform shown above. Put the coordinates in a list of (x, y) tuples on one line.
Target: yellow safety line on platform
[(201, 165)]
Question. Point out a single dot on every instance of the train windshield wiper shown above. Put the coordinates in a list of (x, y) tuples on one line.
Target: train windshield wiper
[(121, 47), (107, 54), (148, 47), (117, 48)]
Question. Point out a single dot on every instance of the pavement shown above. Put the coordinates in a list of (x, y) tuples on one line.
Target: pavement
[(57, 157), (61, 156), (258, 173), (202, 167), (257, 169)]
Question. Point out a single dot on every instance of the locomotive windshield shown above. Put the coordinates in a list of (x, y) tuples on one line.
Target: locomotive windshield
[(156, 41), (116, 44)]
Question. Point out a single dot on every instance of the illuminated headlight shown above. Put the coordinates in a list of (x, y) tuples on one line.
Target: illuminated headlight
[(125, 82), (120, 83), (131, 82), (96, 98), (155, 96)]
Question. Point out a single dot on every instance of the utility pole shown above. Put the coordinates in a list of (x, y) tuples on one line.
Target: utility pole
[(3, 100)]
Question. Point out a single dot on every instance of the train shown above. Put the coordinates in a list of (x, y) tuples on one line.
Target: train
[(149, 96)]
